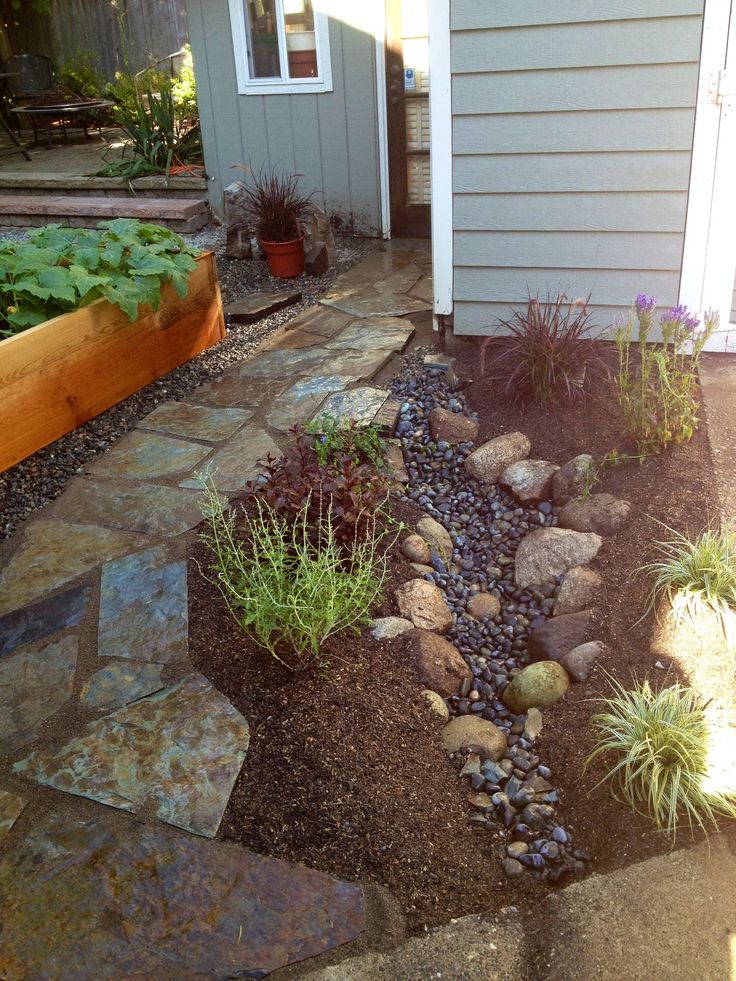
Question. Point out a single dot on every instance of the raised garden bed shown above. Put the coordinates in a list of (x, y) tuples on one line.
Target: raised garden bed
[(59, 374)]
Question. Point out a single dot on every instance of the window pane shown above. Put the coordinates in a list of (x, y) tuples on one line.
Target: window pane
[(263, 39), (301, 44)]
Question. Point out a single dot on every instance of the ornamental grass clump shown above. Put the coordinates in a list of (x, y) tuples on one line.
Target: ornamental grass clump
[(547, 354), (696, 575), (658, 390), (659, 744), (291, 590)]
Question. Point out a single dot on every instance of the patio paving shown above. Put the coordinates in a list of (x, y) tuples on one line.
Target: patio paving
[(99, 700)]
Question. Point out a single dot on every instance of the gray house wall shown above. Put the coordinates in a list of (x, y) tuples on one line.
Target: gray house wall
[(572, 136), (331, 138)]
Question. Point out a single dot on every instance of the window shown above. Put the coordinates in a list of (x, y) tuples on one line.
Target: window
[(281, 46)]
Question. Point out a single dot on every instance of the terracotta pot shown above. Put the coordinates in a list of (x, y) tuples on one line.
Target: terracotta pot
[(285, 259)]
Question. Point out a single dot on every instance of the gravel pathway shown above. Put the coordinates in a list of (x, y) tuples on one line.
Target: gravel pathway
[(40, 478)]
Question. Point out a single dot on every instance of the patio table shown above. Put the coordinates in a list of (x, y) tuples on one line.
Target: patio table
[(61, 111)]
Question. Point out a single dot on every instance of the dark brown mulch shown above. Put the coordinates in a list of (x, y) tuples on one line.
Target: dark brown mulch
[(676, 488)]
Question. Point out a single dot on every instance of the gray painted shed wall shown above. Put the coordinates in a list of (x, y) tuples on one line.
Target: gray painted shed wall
[(331, 138), (572, 137)]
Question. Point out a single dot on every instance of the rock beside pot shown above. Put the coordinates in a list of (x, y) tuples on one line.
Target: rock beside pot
[(536, 686)]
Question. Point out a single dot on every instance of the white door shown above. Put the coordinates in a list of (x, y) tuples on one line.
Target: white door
[(709, 260)]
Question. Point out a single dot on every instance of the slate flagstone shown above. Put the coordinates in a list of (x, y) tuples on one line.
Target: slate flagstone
[(196, 421), (44, 618), (360, 404), (370, 304), (300, 401), (11, 807), (177, 753), (237, 461), (143, 455), (119, 684)]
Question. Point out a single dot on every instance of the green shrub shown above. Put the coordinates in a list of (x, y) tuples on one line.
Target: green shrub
[(81, 75), (659, 743), (333, 438), (658, 396), (697, 574), (288, 590)]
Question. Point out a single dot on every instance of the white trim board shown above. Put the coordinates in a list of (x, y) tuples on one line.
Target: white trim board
[(440, 141), (382, 118)]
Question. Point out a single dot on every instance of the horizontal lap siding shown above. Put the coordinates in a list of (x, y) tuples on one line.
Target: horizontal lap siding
[(330, 138), (572, 138)]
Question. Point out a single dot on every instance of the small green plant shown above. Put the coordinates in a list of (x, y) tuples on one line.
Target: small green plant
[(547, 354), (332, 437), (81, 75), (658, 396), (659, 743), (58, 269), (596, 472), (287, 588), (697, 574)]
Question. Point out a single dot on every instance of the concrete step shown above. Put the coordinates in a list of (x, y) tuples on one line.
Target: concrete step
[(77, 185), (30, 210)]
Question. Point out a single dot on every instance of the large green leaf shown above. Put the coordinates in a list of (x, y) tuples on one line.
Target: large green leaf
[(59, 282), (84, 281)]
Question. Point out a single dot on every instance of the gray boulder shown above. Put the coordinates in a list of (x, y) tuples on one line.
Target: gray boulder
[(529, 480), (580, 660), (603, 514), (440, 666), (571, 480), (468, 732), (577, 590), (423, 603), (416, 549), (386, 628), (549, 552), (558, 636), (536, 686), (488, 462), (437, 536), (452, 427)]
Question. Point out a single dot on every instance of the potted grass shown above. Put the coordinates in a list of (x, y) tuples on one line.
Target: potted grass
[(277, 211)]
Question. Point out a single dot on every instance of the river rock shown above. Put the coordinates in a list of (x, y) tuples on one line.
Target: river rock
[(488, 462), (394, 457), (549, 552), (533, 724), (571, 480), (422, 569), (580, 660), (603, 514), (423, 603), (385, 628), (416, 549), (440, 666), (436, 536), (468, 732), (436, 704), (483, 605), (576, 590), (558, 636), (452, 427), (536, 686), (529, 480)]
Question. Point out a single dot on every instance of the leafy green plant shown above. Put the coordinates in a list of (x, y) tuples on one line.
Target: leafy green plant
[(659, 743), (350, 489), (547, 353), (658, 396), (331, 438), (697, 574), (81, 76), (287, 588), (273, 205), (58, 269)]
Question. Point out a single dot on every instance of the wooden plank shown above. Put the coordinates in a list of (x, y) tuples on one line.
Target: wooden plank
[(569, 250), (572, 172), (575, 89), (56, 376), (481, 319), (622, 42), (606, 212), (474, 14), (570, 132)]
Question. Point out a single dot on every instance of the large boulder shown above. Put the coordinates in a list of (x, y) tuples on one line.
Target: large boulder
[(577, 590), (529, 480), (468, 732), (483, 605), (571, 480), (423, 603), (558, 636), (580, 660), (488, 462), (536, 686), (436, 536), (546, 553), (452, 427), (602, 513), (440, 666)]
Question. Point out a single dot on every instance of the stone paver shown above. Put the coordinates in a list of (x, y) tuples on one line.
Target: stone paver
[(255, 306), (237, 462), (118, 684), (299, 402), (177, 752), (87, 901), (233, 390), (383, 332), (399, 281), (143, 607), (35, 682), (360, 404), (142, 455), (378, 304), (44, 618), (11, 807), (280, 363), (196, 421)]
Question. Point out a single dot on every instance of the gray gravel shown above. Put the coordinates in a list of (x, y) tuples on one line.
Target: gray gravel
[(40, 478)]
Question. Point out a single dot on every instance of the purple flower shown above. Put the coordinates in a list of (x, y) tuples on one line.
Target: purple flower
[(680, 315), (645, 303)]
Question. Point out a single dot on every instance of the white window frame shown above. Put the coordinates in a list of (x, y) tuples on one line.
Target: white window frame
[(281, 86)]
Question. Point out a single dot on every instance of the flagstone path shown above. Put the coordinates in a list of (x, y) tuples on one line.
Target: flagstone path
[(99, 703)]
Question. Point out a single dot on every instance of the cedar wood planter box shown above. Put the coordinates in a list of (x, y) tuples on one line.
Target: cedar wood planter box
[(57, 375)]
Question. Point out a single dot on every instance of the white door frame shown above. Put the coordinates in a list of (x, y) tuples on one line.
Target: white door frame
[(709, 254), (379, 34), (440, 144)]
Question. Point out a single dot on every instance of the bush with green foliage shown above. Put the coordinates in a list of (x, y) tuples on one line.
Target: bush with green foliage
[(659, 743), (58, 269), (658, 388), (332, 437), (544, 353), (81, 75), (289, 589)]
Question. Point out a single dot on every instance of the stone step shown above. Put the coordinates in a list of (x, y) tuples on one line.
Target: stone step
[(79, 185), (23, 210)]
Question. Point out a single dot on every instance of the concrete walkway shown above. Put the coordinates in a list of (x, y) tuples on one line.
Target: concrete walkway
[(99, 703)]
